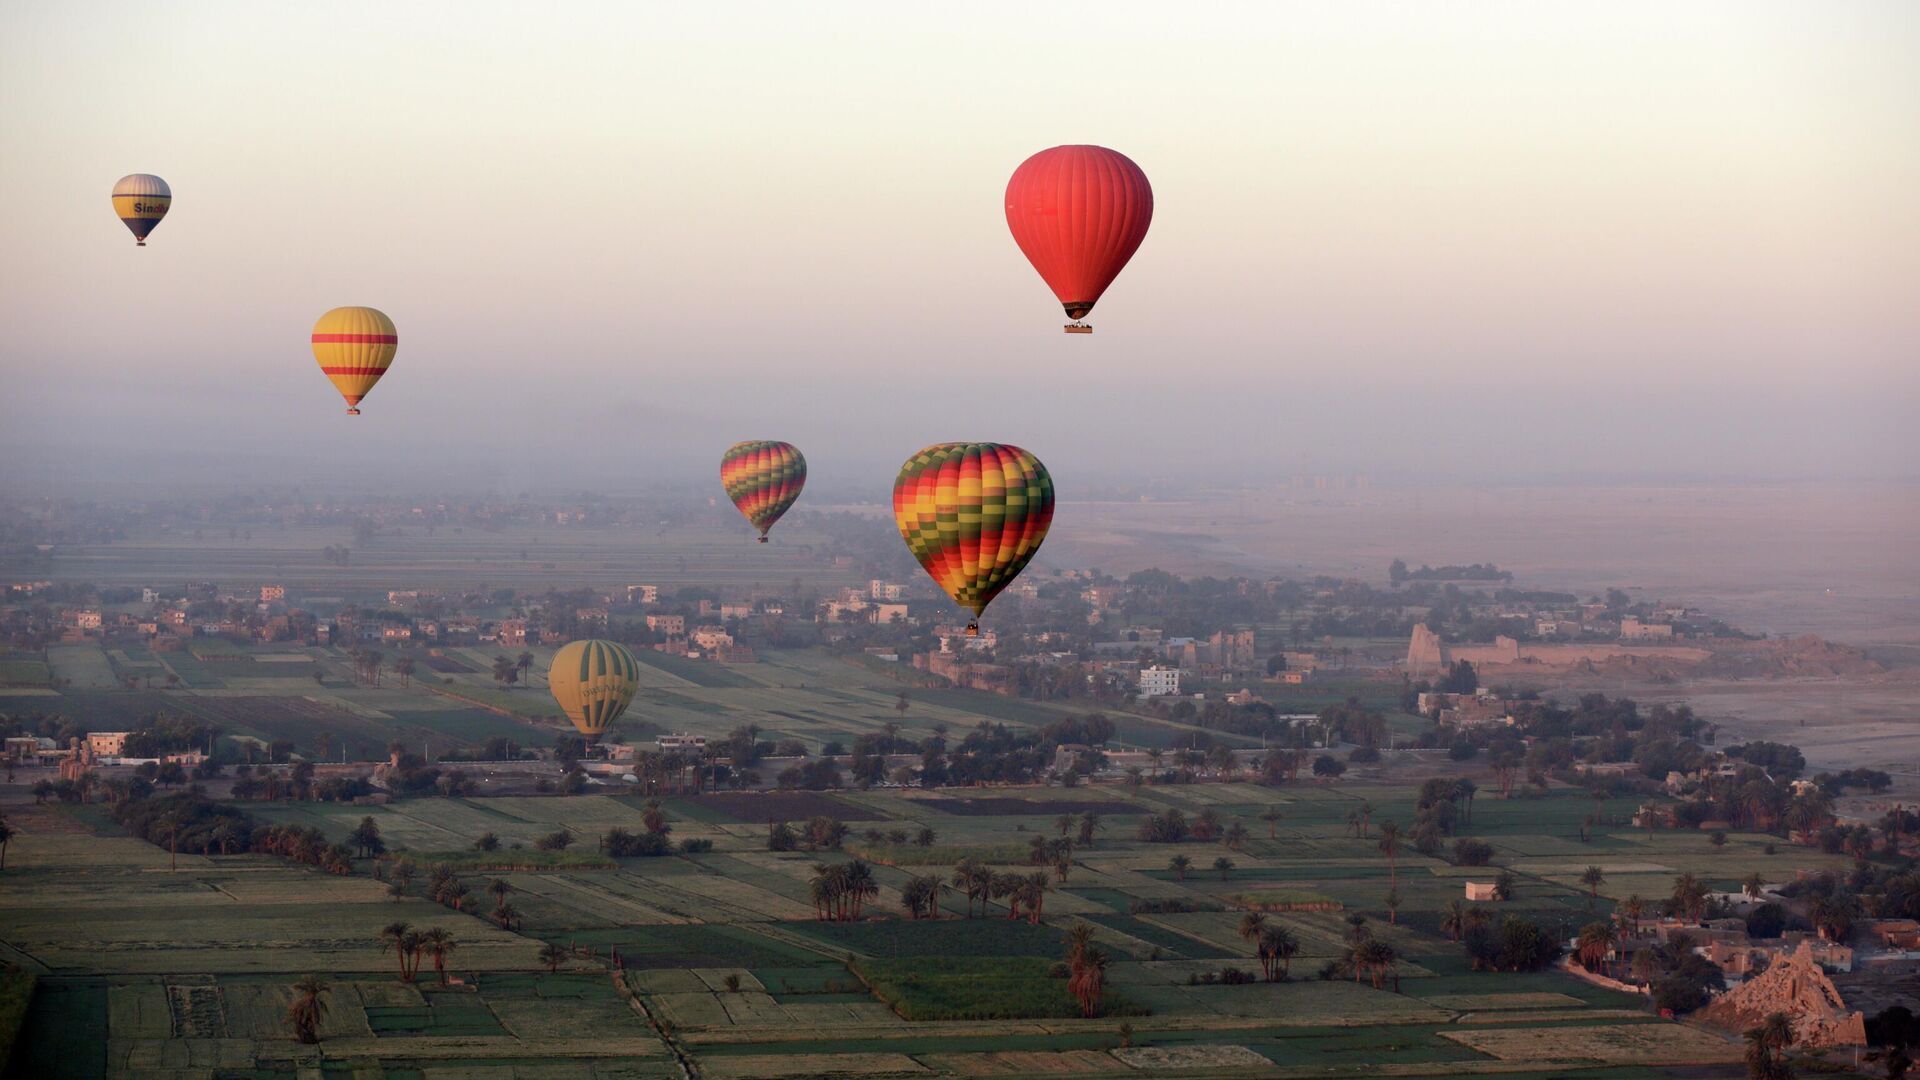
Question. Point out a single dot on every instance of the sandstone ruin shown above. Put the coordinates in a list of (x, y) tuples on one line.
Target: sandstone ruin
[(1797, 986)]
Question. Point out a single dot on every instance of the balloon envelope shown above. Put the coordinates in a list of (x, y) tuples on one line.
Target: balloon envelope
[(973, 514), (593, 681), (355, 346), (1079, 213), (141, 200), (763, 478)]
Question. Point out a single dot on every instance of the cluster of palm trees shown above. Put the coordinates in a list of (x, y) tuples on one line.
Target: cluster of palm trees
[(1086, 969), (1021, 892), (1367, 955), (1181, 865), (367, 664), (1458, 918), (1171, 827), (507, 672), (839, 891), (304, 845), (411, 946), (503, 913), (1274, 945)]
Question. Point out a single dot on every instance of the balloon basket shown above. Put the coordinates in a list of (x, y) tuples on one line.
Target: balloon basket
[(973, 629), (139, 243), (763, 539), (1077, 328), (353, 412)]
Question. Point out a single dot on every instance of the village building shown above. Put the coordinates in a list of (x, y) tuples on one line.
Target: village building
[(1159, 680)]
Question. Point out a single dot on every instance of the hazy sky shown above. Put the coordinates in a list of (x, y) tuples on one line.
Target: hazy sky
[(1482, 240)]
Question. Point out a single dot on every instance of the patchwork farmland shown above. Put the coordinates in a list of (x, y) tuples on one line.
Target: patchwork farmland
[(715, 963)]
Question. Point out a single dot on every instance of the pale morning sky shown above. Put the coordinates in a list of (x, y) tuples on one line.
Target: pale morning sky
[(1530, 240)]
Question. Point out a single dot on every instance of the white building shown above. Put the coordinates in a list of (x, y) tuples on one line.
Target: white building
[(669, 743), (884, 590), (643, 594), (1159, 681)]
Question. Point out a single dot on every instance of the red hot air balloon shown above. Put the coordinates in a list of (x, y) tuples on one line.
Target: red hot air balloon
[(1078, 214)]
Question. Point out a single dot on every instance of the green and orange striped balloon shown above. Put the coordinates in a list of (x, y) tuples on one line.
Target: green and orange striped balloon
[(763, 478), (974, 514), (593, 681)]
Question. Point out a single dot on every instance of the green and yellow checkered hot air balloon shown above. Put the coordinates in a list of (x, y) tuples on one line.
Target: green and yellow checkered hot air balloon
[(594, 682), (974, 514), (763, 478)]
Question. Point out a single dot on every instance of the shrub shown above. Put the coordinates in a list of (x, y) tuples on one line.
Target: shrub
[(1472, 852)]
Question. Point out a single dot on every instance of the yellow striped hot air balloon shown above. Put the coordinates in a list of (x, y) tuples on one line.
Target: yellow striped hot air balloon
[(141, 200), (594, 682), (355, 346)]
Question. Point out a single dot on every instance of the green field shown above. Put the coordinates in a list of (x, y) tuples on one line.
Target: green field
[(141, 967)]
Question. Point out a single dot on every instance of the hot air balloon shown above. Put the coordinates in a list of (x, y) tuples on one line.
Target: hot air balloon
[(355, 346), (141, 200), (1079, 213), (763, 478), (594, 683), (974, 515)]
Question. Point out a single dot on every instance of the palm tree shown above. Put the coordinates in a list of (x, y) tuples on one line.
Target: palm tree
[(1689, 896), (6, 837), (1089, 824), (1034, 895), (1632, 908), (553, 956), (1089, 981), (1377, 958), (1595, 941), (393, 937), (503, 669), (1180, 864), (1766, 1048), (1224, 865), (1753, 886), (1251, 923), (1392, 903), (1236, 836), (1278, 947), (438, 944), (1453, 920), (1063, 822), (1366, 817), (307, 1010), (860, 884), (1272, 815), (506, 915), (498, 888), (404, 667), (1592, 877), (921, 896), (1390, 844)]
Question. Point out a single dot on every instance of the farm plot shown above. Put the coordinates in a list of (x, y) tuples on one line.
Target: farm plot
[(761, 807), (689, 946), (978, 988), (1294, 1004), (19, 672), (1611, 1044), (84, 666), (893, 938)]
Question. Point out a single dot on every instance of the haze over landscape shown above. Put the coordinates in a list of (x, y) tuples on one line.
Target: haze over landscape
[(1455, 613)]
